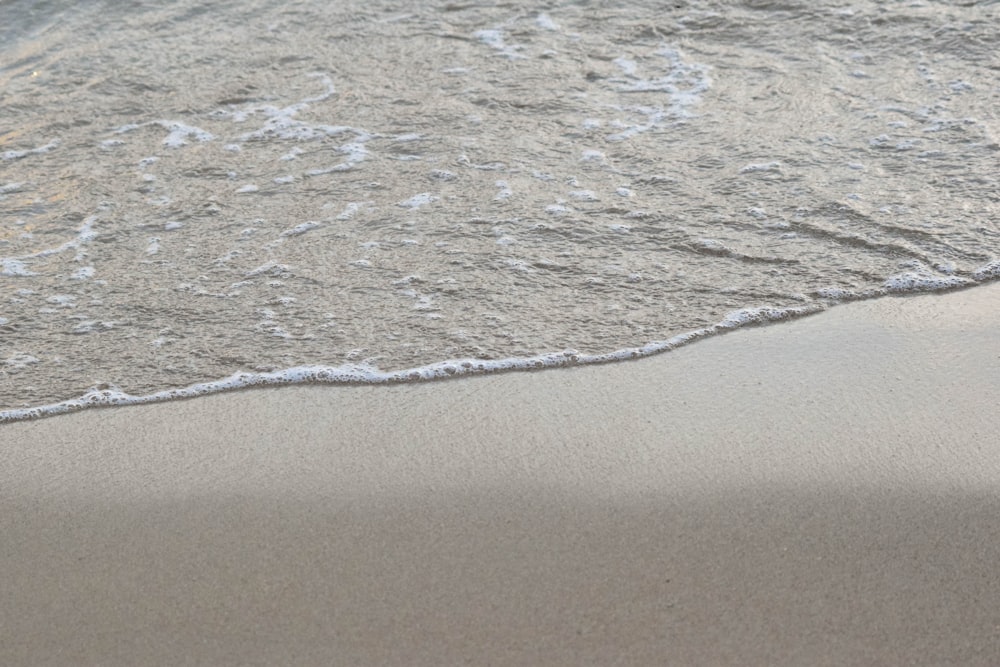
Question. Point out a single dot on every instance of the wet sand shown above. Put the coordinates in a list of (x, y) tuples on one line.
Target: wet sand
[(825, 491)]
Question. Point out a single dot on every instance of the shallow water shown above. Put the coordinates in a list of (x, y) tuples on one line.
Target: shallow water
[(189, 193)]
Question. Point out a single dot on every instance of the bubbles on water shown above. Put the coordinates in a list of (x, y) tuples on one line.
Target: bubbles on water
[(989, 271)]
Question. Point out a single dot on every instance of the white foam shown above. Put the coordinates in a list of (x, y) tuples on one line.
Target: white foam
[(19, 360), (298, 230), (762, 166), (16, 155), (683, 82), (654, 118), (281, 125), (745, 316), (628, 66), (489, 166), (178, 132), (349, 211), (711, 245), (443, 175), (355, 151), (505, 191), (343, 166), (418, 200), (920, 281), (369, 374), (83, 273), (92, 326), (280, 122), (990, 271), (835, 294), (271, 268), (545, 22), (62, 300), (494, 38), (11, 267), (15, 266), (518, 265)]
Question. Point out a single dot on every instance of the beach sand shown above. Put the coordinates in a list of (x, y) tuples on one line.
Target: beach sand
[(825, 491)]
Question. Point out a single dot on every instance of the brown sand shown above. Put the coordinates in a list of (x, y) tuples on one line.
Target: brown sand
[(820, 492)]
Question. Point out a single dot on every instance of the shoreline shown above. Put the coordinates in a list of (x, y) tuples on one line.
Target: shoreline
[(351, 375), (820, 492)]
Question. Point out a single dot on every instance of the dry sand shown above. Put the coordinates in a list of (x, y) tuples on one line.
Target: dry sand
[(825, 491)]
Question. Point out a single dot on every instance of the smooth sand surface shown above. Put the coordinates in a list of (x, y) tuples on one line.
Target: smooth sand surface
[(821, 492)]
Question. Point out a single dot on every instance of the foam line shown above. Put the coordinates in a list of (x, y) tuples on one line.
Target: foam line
[(353, 374)]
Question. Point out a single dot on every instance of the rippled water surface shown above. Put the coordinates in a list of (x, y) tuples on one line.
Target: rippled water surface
[(192, 191)]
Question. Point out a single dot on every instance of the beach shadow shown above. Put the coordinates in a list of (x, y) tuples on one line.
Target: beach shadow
[(503, 577)]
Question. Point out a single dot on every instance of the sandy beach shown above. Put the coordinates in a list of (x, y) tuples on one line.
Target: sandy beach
[(825, 491)]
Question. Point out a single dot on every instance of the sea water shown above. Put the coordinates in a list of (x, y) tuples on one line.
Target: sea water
[(198, 196)]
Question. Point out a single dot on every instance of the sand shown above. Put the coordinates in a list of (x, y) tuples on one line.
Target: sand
[(825, 491)]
